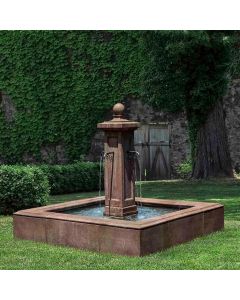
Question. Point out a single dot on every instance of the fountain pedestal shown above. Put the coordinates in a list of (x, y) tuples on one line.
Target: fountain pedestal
[(119, 174)]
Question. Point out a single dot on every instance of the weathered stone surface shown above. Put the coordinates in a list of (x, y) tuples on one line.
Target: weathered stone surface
[(138, 111), (29, 158), (54, 154), (7, 107), (179, 140)]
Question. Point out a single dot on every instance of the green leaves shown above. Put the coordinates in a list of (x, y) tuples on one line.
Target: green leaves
[(187, 71), (62, 83), (21, 188), (77, 177)]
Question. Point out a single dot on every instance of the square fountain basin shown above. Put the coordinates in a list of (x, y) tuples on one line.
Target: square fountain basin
[(55, 225)]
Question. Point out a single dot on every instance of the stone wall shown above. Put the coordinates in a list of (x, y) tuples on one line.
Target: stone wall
[(7, 106), (179, 140), (145, 114)]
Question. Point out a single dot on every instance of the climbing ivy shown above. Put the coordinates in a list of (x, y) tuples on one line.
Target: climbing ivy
[(62, 83)]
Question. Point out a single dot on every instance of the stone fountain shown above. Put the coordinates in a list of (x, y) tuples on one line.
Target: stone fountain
[(125, 224), (119, 181)]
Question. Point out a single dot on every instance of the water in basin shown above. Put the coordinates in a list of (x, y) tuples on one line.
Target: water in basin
[(144, 212)]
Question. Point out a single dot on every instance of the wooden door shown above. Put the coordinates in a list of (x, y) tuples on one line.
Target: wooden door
[(152, 143)]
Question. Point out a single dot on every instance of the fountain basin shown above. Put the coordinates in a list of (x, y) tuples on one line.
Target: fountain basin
[(61, 224)]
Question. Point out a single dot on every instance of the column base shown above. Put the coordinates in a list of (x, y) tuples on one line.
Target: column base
[(120, 212)]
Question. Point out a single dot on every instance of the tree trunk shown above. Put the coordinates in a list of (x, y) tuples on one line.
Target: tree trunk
[(212, 152)]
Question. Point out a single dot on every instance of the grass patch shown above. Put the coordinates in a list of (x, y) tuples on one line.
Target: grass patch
[(226, 192), (220, 250)]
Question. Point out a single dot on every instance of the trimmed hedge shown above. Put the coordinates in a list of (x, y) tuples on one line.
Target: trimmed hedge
[(22, 187), (77, 177)]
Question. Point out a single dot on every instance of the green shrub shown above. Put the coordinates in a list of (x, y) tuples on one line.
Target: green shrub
[(22, 187), (184, 170), (76, 177)]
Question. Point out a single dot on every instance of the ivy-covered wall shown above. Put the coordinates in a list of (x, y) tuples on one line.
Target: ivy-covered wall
[(55, 86), (60, 84)]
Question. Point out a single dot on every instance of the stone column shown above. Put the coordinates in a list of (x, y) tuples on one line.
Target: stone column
[(119, 179)]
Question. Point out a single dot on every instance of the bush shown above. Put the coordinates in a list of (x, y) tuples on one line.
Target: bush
[(22, 187), (77, 177), (184, 170)]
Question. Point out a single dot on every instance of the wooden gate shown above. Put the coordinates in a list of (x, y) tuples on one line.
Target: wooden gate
[(152, 143)]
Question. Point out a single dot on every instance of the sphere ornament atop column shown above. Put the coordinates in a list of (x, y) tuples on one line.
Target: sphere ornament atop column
[(118, 110)]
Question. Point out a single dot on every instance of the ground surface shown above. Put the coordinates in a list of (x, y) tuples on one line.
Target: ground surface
[(220, 250)]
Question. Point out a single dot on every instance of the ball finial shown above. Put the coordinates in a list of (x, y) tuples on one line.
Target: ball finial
[(118, 110)]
